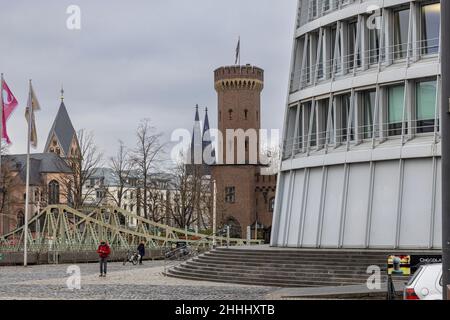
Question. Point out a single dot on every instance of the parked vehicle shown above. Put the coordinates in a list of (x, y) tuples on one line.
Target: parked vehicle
[(425, 284)]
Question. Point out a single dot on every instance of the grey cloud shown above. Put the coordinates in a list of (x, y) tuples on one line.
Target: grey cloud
[(139, 59)]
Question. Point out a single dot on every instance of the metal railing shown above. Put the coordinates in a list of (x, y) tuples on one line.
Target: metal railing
[(356, 135), (348, 65)]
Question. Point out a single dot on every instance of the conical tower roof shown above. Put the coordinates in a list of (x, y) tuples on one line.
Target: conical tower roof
[(63, 130)]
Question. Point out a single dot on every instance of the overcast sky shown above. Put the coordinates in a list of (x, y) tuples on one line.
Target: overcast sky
[(138, 59)]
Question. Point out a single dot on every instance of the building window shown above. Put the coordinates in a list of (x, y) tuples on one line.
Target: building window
[(230, 194), (430, 28), (230, 114), (53, 192), (272, 204), (245, 114), (343, 131), (20, 219), (396, 98), (374, 46), (321, 63), (100, 194), (425, 106), (401, 27), (351, 44), (368, 107), (313, 9)]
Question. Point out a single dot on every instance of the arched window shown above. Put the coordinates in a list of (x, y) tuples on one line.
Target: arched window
[(246, 114), (20, 219), (230, 113), (53, 192)]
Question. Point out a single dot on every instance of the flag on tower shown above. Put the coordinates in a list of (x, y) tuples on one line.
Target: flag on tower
[(238, 51), (8, 103), (32, 104)]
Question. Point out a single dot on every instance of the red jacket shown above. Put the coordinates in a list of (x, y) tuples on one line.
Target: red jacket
[(103, 251)]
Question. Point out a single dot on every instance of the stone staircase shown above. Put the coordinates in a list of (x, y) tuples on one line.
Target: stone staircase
[(282, 267)]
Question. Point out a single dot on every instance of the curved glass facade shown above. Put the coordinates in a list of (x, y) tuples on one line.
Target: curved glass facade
[(361, 143)]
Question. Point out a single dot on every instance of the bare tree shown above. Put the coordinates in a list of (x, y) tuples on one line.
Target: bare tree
[(10, 182), (145, 159), (192, 200), (121, 166), (83, 165)]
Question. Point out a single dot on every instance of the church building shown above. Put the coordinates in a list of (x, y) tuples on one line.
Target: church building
[(50, 174)]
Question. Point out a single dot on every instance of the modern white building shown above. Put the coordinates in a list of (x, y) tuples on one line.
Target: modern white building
[(361, 163)]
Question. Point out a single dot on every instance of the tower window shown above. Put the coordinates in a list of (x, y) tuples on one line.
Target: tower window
[(230, 194), (230, 114), (246, 114)]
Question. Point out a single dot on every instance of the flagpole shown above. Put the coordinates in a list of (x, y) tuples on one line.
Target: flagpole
[(27, 187), (239, 50)]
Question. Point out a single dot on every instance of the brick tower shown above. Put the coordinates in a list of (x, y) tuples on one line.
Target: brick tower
[(239, 107)]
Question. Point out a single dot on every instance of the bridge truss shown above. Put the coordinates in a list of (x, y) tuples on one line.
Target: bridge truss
[(62, 228)]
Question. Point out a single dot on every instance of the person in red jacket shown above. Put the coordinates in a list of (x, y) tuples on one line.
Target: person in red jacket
[(103, 252)]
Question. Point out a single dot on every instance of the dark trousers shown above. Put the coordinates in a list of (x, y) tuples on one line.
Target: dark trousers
[(141, 256), (103, 265)]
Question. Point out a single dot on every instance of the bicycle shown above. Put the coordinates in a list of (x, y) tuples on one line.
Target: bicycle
[(132, 257)]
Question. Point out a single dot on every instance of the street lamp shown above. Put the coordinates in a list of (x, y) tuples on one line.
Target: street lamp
[(445, 129)]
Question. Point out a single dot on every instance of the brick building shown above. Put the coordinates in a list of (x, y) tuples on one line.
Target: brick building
[(245, 197)]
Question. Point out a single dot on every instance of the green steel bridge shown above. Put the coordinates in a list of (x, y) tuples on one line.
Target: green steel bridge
[(64, 229)]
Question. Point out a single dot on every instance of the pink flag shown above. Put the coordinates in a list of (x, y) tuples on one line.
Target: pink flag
[(9, 104), (9, 101)]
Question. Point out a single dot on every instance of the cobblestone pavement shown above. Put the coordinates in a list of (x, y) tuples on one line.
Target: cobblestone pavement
[(122, 282)]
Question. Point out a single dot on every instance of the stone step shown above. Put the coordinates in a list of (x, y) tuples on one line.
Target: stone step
[(278, 282), (282, 277), (298, 254), (292, 271), (282, 268), (293, 275), (363, 263), (236, 281)]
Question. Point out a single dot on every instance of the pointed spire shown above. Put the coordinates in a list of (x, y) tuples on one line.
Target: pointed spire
[(197, 117), (62, 93), (206, 122)]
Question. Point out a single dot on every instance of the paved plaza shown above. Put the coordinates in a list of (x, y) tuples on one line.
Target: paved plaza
[(122, 282)]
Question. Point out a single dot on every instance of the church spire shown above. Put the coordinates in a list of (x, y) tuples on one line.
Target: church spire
[(62, 93)]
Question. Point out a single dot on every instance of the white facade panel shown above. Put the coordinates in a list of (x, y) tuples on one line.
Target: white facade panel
[(355, 223), (437, 228), (312, 212), (332, 207), (295, 212), (416, 203), (285, 177), (385, 203)]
